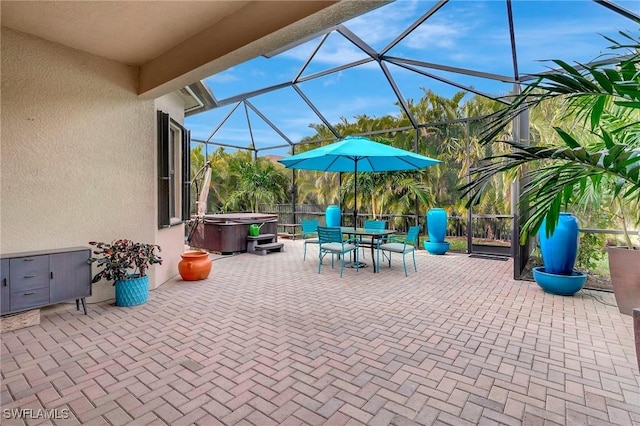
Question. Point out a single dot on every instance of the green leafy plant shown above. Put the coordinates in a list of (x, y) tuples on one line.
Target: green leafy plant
[(590, 251), (600, 152), (122, 259)]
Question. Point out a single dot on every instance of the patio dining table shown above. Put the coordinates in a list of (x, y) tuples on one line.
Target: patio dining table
[(368, 232)]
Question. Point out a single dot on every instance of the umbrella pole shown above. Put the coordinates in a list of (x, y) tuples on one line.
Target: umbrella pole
[(355, 195)]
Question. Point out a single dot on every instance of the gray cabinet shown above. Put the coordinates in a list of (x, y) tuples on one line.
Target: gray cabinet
[(5, 294), (70, 274), (35, 279)]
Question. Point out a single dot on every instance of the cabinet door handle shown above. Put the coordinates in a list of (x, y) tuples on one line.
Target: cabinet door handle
[(29, 294), (4, 282), (29, 259), (29, 276), (51, 275)]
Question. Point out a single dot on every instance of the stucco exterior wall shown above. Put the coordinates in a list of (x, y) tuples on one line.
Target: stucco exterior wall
[(77, 152)]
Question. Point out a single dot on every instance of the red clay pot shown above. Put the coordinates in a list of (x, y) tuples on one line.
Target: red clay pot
[(194, 266)]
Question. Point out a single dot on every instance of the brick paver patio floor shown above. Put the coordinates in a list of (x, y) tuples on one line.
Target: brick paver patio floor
[(266, 340)]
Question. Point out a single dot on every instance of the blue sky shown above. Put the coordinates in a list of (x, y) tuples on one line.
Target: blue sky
[(466, 34)]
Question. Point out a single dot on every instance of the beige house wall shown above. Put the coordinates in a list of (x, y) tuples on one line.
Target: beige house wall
[(170, 239), (77, 154)]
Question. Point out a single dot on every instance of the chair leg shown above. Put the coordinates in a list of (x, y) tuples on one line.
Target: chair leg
[(389, 259), (377, 260), (415, 268), (404, 265), (341, 266), (319, 259), (304, 256)]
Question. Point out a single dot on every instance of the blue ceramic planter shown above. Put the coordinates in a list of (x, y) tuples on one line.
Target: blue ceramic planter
[(562, 285), (332, 215), (437, 225), (132, 292), (559, 250), (436, 248)]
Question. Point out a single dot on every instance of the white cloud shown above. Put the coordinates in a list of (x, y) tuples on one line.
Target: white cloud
[(224, 77), (332, 79), (336, 50), (433, 36), (392, 18)]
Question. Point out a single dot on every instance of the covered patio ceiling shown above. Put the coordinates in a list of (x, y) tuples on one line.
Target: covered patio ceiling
[(382, 61), (176, 43)]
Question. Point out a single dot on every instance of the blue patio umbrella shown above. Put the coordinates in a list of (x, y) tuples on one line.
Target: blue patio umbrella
[(357, 154)]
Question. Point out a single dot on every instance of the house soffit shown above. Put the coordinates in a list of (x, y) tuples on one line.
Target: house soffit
[(175, 43)]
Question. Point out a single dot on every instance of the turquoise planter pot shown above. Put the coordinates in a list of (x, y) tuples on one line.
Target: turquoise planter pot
[(332, 215), (562, 285), (436, 248), (560, 249), (437, 225), (132, 292)]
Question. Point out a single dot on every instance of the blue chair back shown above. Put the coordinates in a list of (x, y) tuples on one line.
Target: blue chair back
[(375, 224), (412, 235), (309, 227), (329, 234)]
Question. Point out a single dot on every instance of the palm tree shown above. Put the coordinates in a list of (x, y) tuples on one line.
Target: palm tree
[(258, 181), (602, 155)]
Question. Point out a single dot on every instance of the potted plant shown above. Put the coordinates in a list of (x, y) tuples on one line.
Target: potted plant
[(125, 263), (597, 158)]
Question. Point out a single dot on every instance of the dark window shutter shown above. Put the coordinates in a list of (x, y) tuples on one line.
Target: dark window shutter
[(186, 174), (163, 170)]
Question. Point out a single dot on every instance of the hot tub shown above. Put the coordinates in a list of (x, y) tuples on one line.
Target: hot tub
[(227, 233)]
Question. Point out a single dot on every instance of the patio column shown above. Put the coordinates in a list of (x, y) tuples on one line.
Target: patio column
[(294, 190), (520, 253)]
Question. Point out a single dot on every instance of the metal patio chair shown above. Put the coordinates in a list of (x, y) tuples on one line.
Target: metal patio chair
[(309, 234), (368, 241), (330, 241), (395, 244)]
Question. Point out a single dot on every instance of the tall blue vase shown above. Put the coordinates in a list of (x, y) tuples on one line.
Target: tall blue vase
[(437, 225), (133, 291), (332, 215), (560, 249)]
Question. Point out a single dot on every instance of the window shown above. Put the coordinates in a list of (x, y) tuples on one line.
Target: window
[(173, 171)]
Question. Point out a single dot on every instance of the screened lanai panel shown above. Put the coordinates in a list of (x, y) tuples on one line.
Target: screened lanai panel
[(226, 126), (330, 52), (204, 123), (421, 91), (476, 85), (542, 33), (286, 110), (462, 34), (394, 18), (357, 91), (252, 75)]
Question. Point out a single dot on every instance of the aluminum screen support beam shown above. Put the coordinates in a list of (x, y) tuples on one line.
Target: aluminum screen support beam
[(470, 209), (269, 123), (311, 56), (246, 113), (512, 39), (620, 10), (473, 73), (224, 120), (452, 83), (318, 113), (398, 94), (413, 26), (520, 253)]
